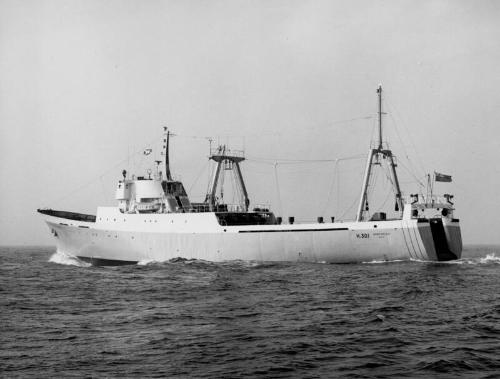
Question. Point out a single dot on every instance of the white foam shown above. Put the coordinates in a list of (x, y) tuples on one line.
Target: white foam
[(384, 261), (490, 258), (63, 258), (146, 262)]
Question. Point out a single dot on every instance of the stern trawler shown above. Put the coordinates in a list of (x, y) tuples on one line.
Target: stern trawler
[(156, 221)]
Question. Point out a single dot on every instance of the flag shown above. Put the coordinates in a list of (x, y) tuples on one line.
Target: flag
[(442, 177), (148, 151)]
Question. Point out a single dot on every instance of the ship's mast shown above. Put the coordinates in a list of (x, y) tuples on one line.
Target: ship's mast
[(379, 92), (374, 154), (167, 158)]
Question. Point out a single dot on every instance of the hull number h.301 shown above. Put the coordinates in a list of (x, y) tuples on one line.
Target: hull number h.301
[(362, 235)]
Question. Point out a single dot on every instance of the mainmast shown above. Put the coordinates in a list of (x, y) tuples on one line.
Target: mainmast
[(374, 155), (379, 91), (167, 158)]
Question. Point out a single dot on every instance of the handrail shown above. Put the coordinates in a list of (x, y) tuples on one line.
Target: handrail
[(430, 202), (229, 152)]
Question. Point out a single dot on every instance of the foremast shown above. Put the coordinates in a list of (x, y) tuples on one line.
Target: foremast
[(374, 156), (166, 141)]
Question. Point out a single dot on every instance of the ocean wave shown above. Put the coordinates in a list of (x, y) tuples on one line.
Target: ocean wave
[(488, 259), (178, 260), (63, 258), (375, 261), (147, 262), (225, 319)]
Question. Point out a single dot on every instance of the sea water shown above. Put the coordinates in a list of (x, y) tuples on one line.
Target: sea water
[(60, 317)]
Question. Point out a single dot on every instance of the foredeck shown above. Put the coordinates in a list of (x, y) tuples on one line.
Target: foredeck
[(68, 215)]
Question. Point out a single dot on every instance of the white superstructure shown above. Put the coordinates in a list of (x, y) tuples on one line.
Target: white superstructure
[(155, 220)]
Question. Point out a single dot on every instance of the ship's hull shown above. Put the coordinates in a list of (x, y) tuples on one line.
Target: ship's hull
[(350, 242)]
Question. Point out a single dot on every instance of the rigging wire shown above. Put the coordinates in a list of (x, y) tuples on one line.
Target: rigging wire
[(389, 193), (371, 184), (268, 161), (374, 128), (197, 178), (104, 196), (233, 189), (239, 189), (211, 174), (305, 129), (103, 174), (222, 180), (419, 182), (278, 187), (395, 111), (335, 167), (348, 209), (285, 161)]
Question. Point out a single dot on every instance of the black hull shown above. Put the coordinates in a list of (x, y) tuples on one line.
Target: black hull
[(106, 262), (443, 251)]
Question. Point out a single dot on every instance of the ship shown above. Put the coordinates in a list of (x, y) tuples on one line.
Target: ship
[(155, 220)]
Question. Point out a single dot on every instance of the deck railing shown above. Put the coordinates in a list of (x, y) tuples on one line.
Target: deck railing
[(204, 207), (227, 151), (430, 200)]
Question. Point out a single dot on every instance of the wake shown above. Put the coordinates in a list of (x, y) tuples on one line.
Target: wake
[(488, 260), (62, 258)]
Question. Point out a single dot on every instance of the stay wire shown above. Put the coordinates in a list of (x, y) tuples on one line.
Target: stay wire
[(305, 129), (285, 161), (278, 187), (99, 177), (198, 177), (330, 192), (419, 159)]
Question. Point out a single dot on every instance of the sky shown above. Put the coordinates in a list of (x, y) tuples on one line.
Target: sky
[(84, 85)]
